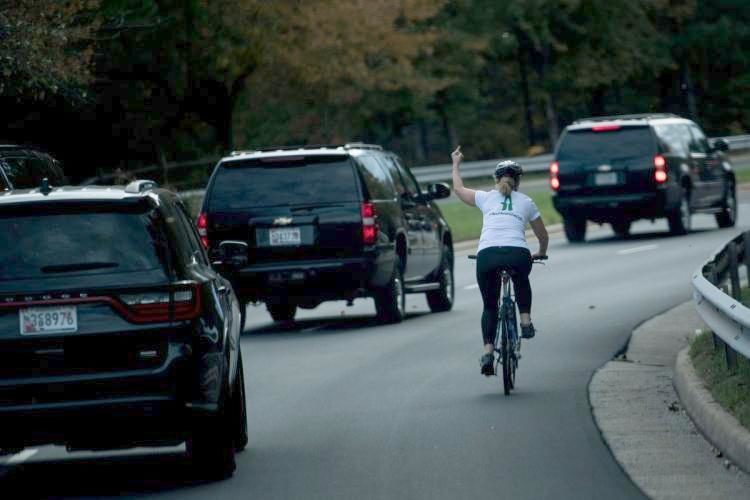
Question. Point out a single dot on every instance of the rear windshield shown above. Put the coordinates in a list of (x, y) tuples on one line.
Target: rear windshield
[(587, 146), (294, 181), (79, 243)]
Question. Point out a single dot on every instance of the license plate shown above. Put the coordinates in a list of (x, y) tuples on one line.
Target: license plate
[(605, 179), (288, 236), (43, 320)]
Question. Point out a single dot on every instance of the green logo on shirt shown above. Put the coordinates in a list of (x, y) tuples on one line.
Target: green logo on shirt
[(508, 203)]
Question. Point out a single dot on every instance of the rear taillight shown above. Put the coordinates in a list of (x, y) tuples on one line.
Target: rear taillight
[(202, 225), (605, 128), (554, 172), (156, 306), (660, 169), (369, 227)]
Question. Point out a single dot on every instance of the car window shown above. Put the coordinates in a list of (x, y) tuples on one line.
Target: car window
[(19, 172), (673, 138), (189, 228), (411, 184), (623, 144), (698, 143), (283, 181), (80, 242), (376, 178), (392, 169), (4, 184)]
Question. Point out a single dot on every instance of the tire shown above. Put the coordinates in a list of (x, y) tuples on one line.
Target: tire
[(442, 300), (390, 301), (728, 216), (621, 228), (506, 358), (282, 312), (679, 219), (575, 229), (243, 316), (211, 445), (239, 409)]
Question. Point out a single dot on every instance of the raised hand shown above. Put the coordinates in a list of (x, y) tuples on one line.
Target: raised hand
[(457, 156)]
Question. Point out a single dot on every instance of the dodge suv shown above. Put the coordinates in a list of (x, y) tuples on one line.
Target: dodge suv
[(619, 169), (329, 223), (114, 330)]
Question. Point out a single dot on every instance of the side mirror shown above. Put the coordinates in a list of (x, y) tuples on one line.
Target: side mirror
[(233, 254), (721, 145), (439, 190)]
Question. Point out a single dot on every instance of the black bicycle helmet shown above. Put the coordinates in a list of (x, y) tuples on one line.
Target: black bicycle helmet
[(508, 168)]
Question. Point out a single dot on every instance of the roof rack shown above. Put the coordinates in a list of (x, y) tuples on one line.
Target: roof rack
[(285, 148), (362, 145), (639, 116), (140, 185)]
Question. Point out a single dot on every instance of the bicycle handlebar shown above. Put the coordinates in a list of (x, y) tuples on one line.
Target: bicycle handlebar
[(538, 258)]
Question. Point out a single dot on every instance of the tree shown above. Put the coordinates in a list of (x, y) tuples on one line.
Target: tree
[(45, 47)]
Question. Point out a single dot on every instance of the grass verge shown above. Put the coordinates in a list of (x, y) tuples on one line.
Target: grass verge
[(466, 221), (730, 389)]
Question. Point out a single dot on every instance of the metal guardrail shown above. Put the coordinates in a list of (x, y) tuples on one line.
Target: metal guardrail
[(432, 173), (717, 293)]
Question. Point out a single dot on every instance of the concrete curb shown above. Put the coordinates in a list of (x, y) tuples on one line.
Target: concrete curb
[(717, 425)]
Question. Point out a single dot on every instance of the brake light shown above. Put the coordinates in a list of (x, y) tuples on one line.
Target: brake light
[(202, 225), (369, 227), (605, 128), (155, 306), (660, 169), (554, 171)]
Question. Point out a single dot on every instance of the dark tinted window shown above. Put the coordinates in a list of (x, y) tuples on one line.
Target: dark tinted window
[(673, 138), (79, 242), (276, 181), (390, 165), (699, 143), (376, 179), (412, 186), (587, 146), (19, 172)]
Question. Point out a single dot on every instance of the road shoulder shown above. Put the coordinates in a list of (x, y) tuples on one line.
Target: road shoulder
[(642, 420)]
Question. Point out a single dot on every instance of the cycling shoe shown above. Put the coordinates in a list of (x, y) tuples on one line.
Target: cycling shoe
[(528, 331), (487, 362)]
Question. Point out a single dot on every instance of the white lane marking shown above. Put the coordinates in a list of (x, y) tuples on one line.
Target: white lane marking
[(471, 287), (21, 457), (644, 248)]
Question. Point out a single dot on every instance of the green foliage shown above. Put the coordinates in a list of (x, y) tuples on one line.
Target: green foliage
[(730, 389)]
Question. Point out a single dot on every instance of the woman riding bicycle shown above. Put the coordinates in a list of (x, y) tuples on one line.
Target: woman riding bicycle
[(502, 245)]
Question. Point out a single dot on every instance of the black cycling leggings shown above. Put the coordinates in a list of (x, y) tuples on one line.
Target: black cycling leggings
[(517, 261)]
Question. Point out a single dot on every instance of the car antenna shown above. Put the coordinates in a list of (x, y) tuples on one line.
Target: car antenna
[(45, 189)]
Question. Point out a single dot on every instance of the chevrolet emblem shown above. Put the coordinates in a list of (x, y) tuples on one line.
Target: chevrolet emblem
[(282, 221)]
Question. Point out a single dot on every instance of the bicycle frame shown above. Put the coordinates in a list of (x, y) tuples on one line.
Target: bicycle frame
[(507, 342)]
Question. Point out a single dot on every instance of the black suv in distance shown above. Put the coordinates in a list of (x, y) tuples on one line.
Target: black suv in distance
[(114, 330), (329, 223), (24, 168), (618, 169)]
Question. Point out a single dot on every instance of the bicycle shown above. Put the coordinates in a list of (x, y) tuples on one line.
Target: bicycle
[(507, 340)]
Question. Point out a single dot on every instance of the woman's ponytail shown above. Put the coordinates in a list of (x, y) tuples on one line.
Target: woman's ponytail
[(506, 185)]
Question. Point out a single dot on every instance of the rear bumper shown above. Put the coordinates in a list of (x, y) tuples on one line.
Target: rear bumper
[(606, 208), (312, 281), (103, 410)]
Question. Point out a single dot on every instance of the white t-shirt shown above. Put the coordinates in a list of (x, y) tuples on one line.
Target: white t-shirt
[(505, 219)]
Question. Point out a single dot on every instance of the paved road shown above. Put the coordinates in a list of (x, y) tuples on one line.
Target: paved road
[(342, 407)]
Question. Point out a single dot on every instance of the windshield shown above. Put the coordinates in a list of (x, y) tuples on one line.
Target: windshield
[(291, 181), (78, 243), (587, 146)]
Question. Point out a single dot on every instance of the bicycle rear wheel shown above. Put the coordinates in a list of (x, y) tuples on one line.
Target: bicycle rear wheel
[(506, 357)]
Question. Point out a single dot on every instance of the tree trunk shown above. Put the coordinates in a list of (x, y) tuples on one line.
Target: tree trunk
[(689, 92), (596, 105), (551, 113), (527, 108)]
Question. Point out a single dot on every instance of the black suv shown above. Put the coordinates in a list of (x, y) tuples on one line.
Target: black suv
[(618, 169), (329, 223), (24, 168), (114, 329)]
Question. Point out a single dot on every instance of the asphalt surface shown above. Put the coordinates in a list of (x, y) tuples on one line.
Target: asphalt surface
[(343, 407)]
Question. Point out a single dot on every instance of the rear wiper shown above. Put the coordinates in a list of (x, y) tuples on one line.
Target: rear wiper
[(80, 266)]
